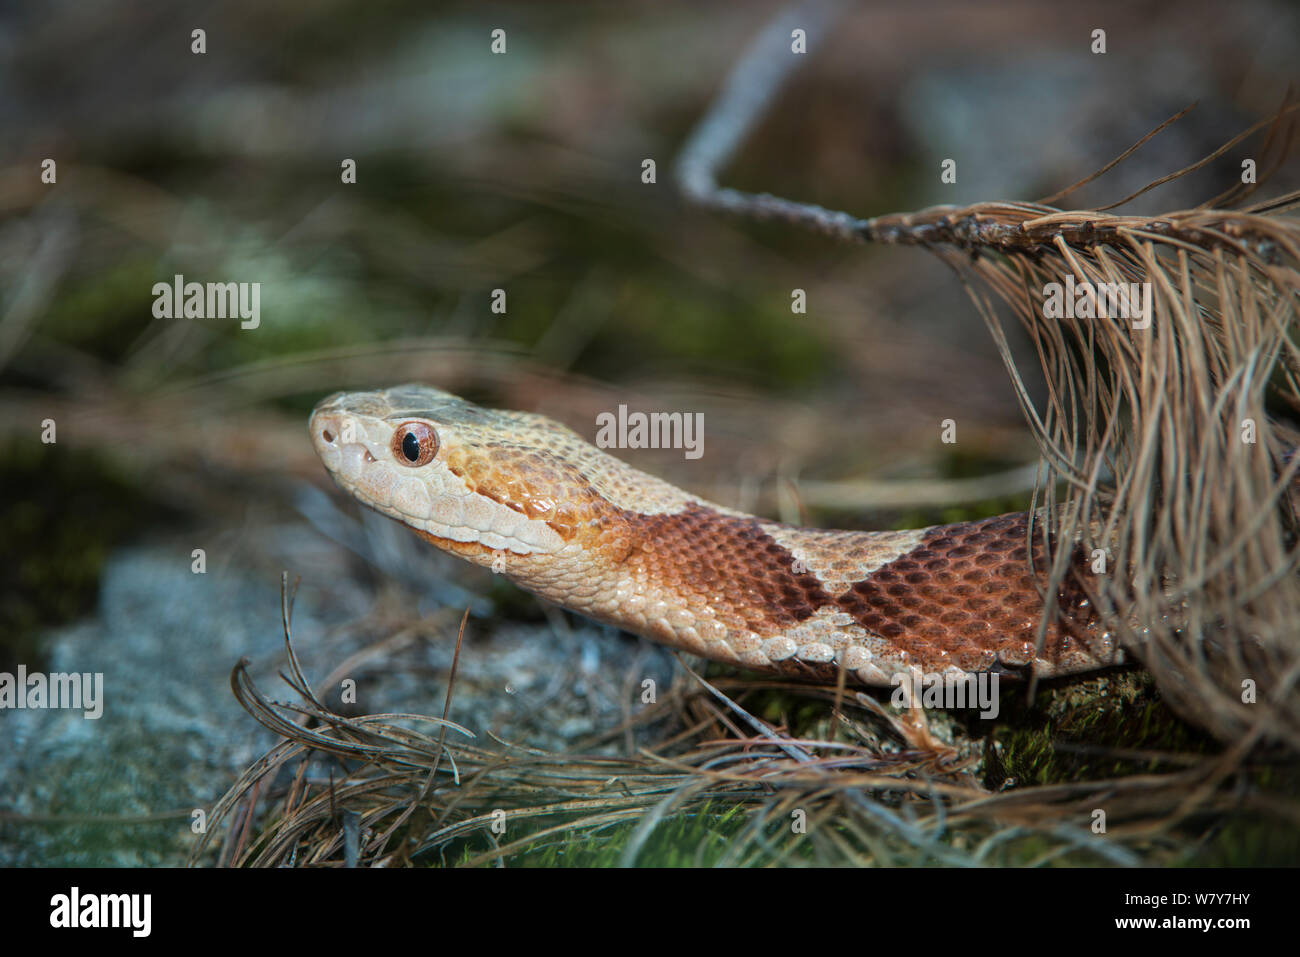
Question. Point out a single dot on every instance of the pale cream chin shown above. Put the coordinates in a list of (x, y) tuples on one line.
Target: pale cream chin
[(437, 502)]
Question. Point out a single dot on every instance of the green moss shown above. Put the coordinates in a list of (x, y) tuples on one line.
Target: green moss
[(1088, 728), (74, 507), (1248, 840), (720, 333), (104, 313), (110, 808), (695, 839)]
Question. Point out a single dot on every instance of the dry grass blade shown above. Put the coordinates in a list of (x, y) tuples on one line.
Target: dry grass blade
[(741, 798), (1198, 535)]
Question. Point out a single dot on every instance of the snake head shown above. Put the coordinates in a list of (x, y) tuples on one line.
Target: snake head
[(459, 475)]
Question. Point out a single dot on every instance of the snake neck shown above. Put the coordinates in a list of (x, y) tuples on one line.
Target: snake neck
[(530, 499), (797, 601)]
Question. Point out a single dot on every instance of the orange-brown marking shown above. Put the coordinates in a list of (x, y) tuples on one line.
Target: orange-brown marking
[(966, 595), (966, 592)]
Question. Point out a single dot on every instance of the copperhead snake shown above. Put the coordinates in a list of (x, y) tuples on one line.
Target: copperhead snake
[(528, 497)]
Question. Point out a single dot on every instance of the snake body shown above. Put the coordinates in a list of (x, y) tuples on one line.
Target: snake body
[(531, 499)]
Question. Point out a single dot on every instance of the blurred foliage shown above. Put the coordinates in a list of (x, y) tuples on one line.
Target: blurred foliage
[(525, 179), (74, 508)]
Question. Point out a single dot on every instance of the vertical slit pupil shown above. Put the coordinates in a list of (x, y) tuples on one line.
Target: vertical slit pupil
[(411, 447)]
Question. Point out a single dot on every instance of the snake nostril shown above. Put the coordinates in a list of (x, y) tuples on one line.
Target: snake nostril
[(327, 435)]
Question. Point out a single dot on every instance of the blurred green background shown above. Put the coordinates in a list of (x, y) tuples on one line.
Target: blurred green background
[(522, 171)]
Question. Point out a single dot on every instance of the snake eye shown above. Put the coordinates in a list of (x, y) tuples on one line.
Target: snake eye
[(414, 444)]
